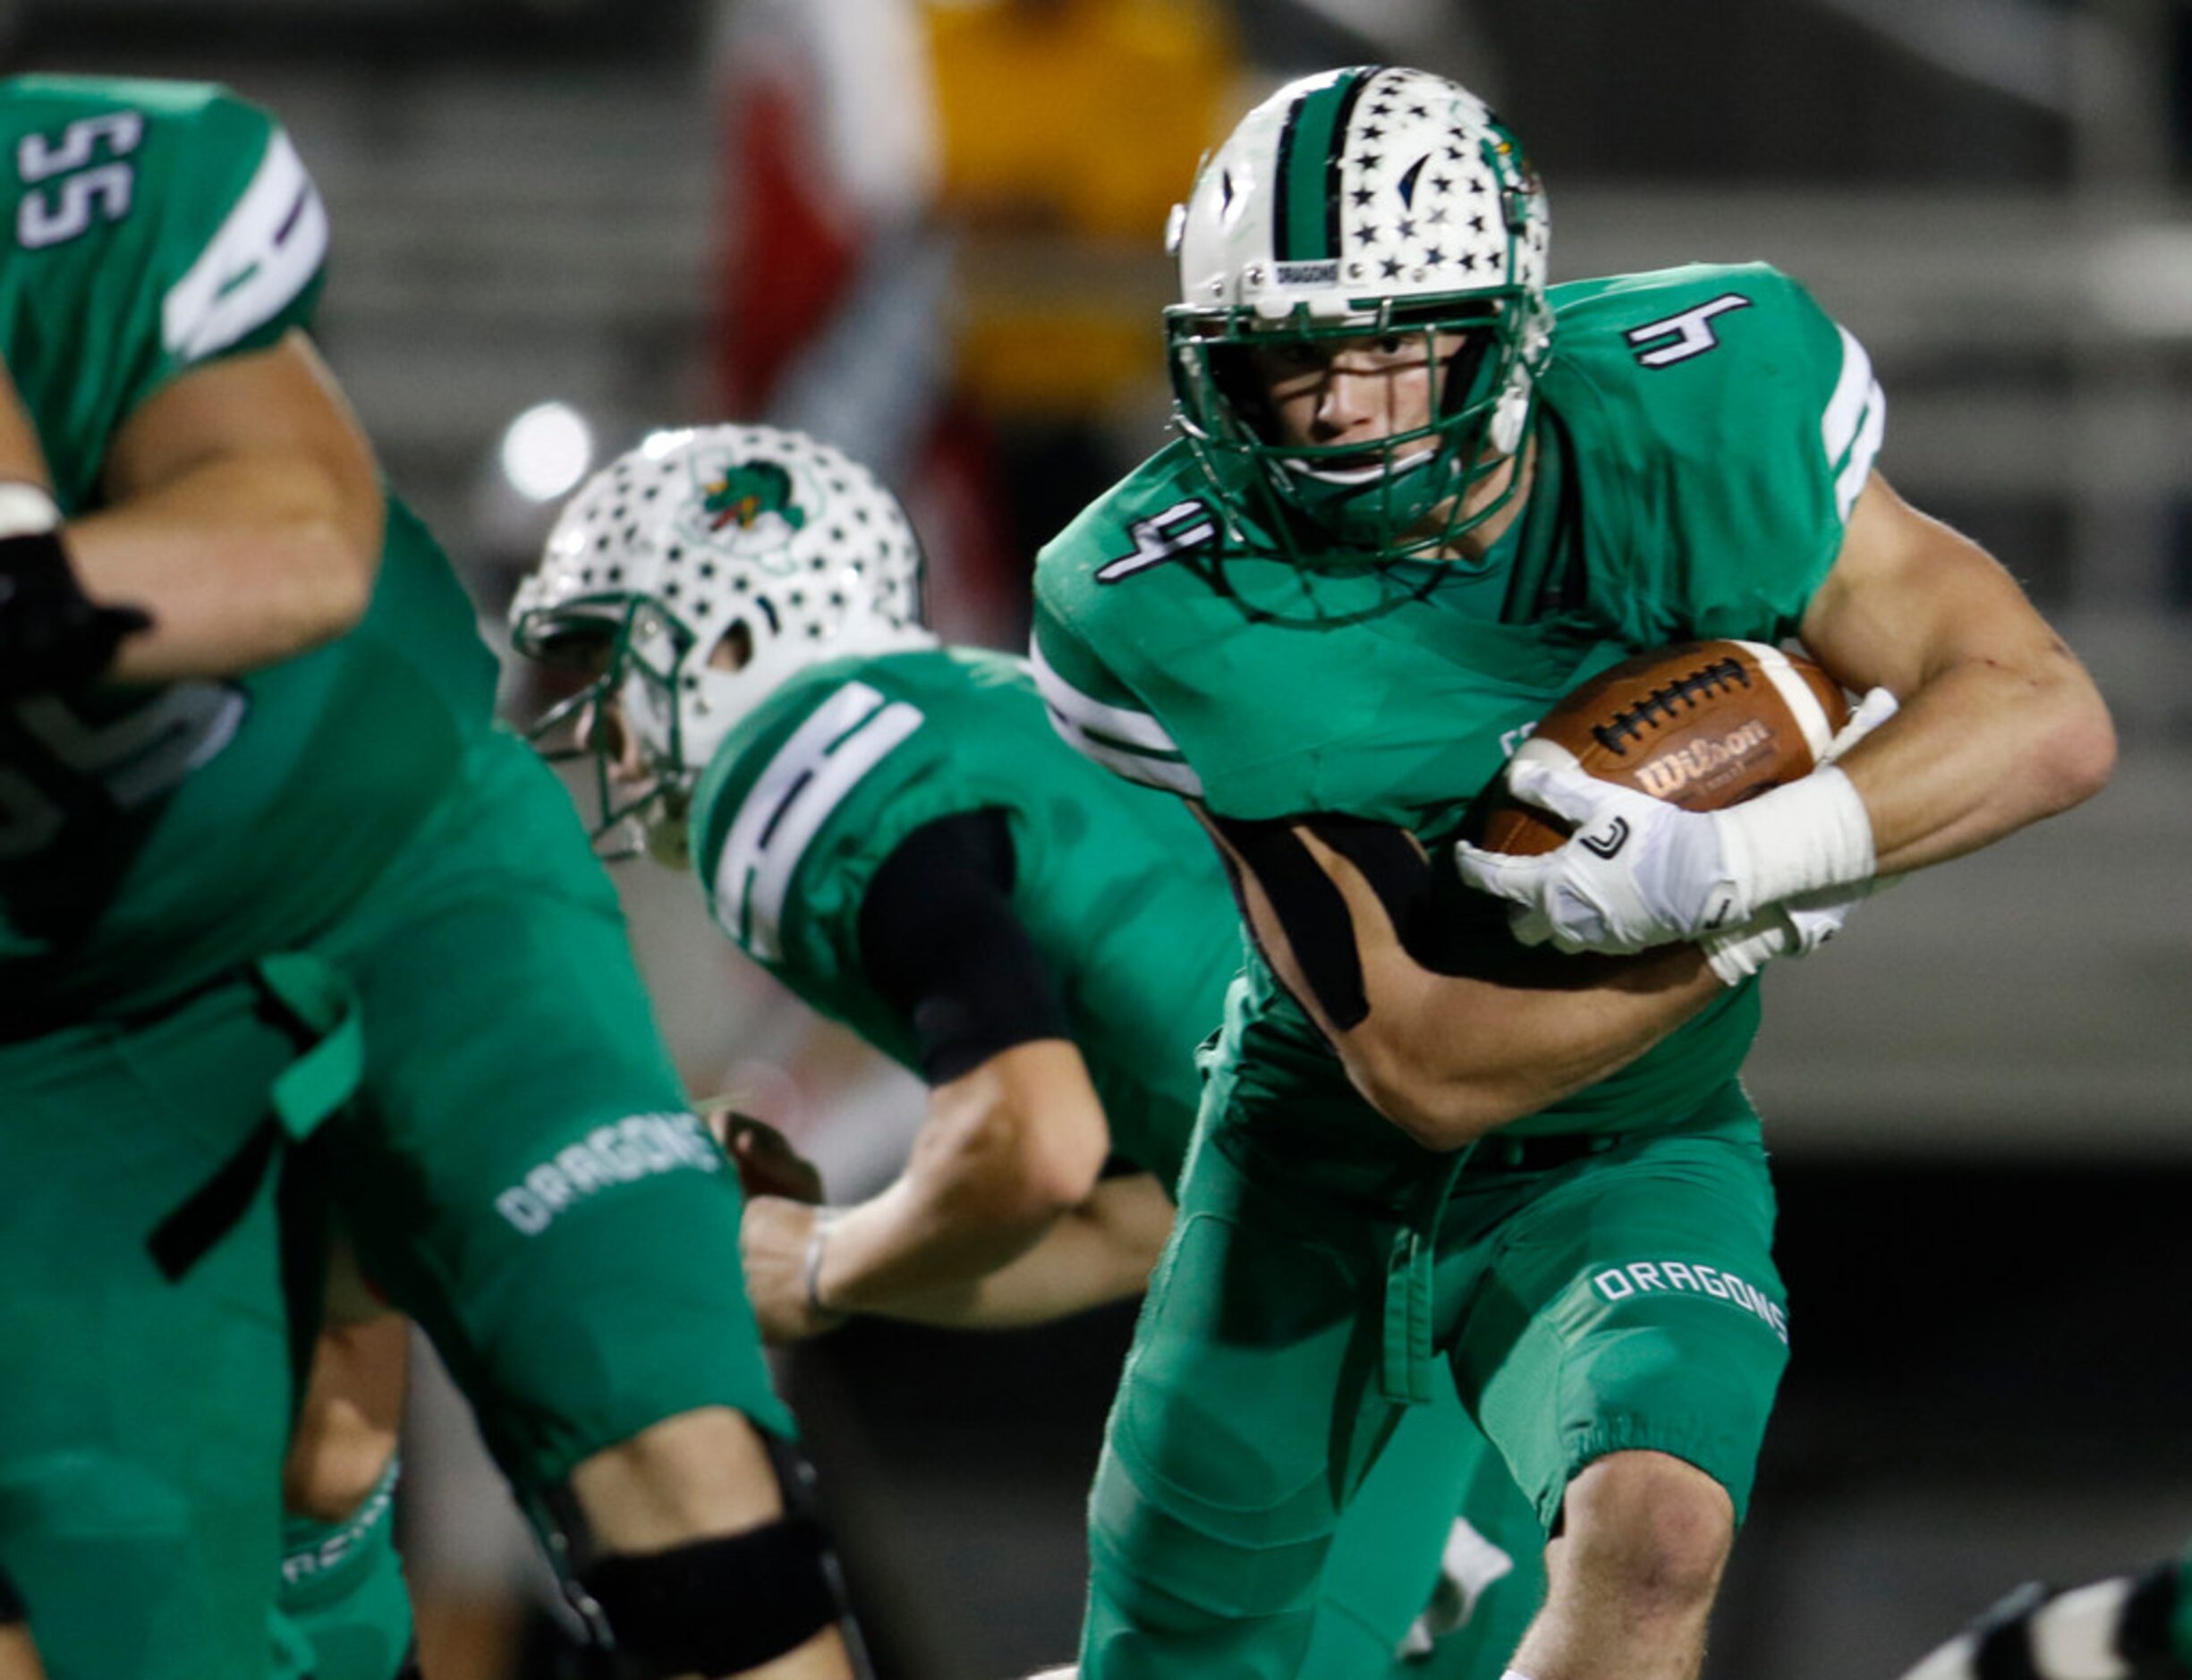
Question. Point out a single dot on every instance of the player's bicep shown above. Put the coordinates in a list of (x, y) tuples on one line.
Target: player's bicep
[(278, 406), (1908, 597)]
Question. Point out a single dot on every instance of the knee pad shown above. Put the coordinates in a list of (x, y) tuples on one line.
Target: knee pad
[(719, 1605)]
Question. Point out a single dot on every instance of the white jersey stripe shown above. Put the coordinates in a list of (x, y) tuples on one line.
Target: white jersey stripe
[(1174, 775), (265, 254), (841, 741), (1854, 471), (2076, 1637), (1845, 407), (1127, 728)]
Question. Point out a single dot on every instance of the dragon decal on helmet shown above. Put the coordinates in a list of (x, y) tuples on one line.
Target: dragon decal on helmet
[(748, 490), (692, 575), (1362, 203)]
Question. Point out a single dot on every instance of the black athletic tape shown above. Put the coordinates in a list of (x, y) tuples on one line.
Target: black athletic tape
[(2145, 1636), (2004, 1637), (942, 944), (52, 634), (1441, 923), (719, 1606), (1309, 908)]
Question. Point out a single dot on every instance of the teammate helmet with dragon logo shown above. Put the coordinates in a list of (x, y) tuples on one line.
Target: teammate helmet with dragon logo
[(1368, 202), (765, 539)]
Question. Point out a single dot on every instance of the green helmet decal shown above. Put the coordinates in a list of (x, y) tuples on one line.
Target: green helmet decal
[(746, 491)]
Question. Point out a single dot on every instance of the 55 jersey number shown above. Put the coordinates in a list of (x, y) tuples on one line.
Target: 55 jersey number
[(77, 177)]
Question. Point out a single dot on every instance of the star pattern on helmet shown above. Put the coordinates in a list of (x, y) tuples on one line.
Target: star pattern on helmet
[(1416, 171)]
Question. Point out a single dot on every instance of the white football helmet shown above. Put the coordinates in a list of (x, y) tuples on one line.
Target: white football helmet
[(1360, 202), (696, 573)]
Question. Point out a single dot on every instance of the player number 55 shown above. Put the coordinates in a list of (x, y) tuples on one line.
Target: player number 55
[(64, 183)]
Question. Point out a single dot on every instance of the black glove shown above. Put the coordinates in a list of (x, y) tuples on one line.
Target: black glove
[(52, 634)]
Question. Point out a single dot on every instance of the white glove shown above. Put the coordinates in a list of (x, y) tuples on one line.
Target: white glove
[(1794, 928), (1640, 872), (1636, 872)]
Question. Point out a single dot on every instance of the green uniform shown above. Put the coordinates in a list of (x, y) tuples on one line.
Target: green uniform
[(1597, 1275), (345, 1614), (1124, 897), (230, 910)]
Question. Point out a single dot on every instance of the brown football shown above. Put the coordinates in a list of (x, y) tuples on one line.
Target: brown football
[(1705, 724)]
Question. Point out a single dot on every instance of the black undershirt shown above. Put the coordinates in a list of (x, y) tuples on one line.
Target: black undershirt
[(940, 942)]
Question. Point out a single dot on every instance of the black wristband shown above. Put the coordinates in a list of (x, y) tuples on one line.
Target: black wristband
[(52, 634)]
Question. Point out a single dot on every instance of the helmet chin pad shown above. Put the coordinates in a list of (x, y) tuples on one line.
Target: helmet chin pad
[(1354, 477)]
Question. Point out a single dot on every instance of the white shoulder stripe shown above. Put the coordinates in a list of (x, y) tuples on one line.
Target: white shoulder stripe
[(1174, 775), (1130, 728), (2079, 1632), (265, 254), (1850, 481), (1845, 407), (845, 737)]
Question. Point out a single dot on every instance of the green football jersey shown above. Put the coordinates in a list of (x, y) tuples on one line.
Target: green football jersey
[(150, 839), (1120, 891), (1702, 435)]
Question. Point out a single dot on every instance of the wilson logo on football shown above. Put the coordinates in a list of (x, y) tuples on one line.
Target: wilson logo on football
[(1665, 776)]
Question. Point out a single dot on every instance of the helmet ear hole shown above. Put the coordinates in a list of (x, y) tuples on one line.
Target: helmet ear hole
[(733, 650)]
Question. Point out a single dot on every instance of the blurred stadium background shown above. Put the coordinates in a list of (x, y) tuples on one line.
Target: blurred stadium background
[(930, 229)]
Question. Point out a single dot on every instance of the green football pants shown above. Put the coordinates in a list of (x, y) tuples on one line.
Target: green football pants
[(519, 1172), (522, 1174), (142, 1421), (1421, 1589), (1623, 1299), (344, 1613)]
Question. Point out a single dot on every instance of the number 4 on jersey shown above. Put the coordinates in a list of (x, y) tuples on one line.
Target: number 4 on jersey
[(1161, 536), (1678, 337)]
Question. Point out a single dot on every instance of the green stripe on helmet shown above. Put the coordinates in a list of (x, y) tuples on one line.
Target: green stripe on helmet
[(1305, 230)]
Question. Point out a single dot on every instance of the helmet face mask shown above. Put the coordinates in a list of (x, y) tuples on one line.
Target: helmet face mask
[(632, 652), (1366, 205), (752, 539)]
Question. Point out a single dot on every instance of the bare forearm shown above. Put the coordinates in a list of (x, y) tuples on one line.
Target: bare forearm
[(917, 1238), (1979, 751), (1100, 1251), (1456, 1058), (1447, 1058), (2000, 725), (240, 561)]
